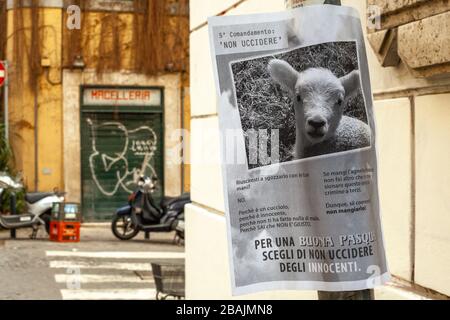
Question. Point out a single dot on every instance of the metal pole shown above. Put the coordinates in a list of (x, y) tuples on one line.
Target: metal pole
[(36, 138), (13, 211), (328, 295), (13, 203), (5, 94)]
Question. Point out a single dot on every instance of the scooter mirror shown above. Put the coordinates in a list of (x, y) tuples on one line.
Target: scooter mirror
[(7, 182)]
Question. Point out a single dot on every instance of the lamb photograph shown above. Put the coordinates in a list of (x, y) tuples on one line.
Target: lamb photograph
[(311, 95)]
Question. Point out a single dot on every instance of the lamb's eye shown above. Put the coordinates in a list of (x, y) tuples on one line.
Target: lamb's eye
[(340, 101), (299, 98)]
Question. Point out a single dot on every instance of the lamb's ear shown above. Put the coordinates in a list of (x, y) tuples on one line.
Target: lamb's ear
[(283, 74), (350, 82)]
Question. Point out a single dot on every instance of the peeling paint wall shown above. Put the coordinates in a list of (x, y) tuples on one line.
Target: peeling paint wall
[(55, 125), (48, 107)]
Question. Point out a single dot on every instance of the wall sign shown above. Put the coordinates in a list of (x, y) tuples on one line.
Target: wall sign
[(121, 97)]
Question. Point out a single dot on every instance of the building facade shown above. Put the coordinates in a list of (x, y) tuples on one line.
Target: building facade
[(409, 57), (96, 90)]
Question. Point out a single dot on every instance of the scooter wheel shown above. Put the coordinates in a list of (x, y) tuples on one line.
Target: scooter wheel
[(122, 227)]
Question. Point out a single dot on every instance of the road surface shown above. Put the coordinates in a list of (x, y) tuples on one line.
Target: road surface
[(99, 267)]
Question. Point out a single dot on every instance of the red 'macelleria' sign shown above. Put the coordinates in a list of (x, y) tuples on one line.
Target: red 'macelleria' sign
[(122, 96)]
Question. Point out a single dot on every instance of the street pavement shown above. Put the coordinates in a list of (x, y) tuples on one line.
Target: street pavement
[(99, 267)]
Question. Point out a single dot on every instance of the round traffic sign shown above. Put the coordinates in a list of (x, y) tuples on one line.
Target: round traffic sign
[(2, 73)]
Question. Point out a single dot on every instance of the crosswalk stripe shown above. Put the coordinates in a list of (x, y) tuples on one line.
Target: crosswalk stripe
[(64, 264), (117, 285), (109, 294), (117, 255), (97, 278)]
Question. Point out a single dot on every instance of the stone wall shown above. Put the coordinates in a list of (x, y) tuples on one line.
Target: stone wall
[(417, 32), (412, 114)]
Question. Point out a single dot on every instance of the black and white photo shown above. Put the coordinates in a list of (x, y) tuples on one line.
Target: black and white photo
[(312, 95)]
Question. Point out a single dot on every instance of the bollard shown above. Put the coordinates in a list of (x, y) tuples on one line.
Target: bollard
[(12, 204), (328, 295), (13, 209)]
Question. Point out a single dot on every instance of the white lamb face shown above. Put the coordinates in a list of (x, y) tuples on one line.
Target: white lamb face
[(318, 101), (319, 97)]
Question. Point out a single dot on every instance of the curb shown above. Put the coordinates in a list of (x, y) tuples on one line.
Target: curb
[(96, 224)]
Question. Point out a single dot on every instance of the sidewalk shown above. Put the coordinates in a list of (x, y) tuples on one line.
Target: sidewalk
[(400, 290)]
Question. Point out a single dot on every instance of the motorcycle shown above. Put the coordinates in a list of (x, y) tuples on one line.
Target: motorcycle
[(142, 213), (39, 207)]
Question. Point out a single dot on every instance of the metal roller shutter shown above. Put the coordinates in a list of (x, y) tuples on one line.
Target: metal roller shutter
[(115, 148)]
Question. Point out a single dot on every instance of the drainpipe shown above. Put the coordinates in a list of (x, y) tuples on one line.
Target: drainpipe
[(183, 146), (6, 98), (36, 136), (326, 295)]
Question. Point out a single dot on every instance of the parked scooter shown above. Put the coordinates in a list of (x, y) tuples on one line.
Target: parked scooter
[(142, 213), (39, 207), (41, 203)]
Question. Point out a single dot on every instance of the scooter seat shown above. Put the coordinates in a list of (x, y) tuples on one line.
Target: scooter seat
[(37, 196), (167, 201)]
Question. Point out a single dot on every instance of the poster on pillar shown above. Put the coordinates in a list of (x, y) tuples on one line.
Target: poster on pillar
[(298, 151)]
